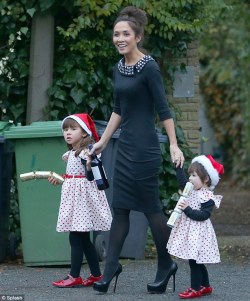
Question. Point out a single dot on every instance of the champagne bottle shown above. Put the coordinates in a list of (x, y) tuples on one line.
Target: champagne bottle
[(177, 212), (98, 171)]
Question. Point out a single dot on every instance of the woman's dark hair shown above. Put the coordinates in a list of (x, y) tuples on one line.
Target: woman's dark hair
[(136, 18), (201, 172), (86, 140)]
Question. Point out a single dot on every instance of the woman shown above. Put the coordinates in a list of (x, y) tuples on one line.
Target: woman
[(138, 93)]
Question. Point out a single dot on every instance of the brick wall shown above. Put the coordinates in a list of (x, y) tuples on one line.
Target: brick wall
[(188, 118)]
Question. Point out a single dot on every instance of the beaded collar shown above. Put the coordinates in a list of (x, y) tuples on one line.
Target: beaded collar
[(130, 70)]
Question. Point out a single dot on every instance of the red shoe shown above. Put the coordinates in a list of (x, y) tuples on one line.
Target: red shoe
[(90, 281), (69, 281), (189, 294), (206, 290)]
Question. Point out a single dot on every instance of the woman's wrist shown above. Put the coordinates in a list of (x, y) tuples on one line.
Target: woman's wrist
[(174, 144)]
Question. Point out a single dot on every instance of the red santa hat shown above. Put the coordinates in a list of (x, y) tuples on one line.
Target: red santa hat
[(213, 168), (86, 122)]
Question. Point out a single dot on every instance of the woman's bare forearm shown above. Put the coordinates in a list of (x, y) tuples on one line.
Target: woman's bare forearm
[(112, 126)]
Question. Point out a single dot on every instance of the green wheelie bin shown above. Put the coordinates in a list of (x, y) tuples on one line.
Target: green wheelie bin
[(38, 147)]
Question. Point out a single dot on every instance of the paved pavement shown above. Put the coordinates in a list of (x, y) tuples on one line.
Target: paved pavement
[(230, 280)]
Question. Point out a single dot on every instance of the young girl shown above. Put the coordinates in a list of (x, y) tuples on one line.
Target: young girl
[(193, 236), (83, 207)]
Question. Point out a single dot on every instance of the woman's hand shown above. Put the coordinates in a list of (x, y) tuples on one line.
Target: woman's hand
[(97, 148), (176, 155)]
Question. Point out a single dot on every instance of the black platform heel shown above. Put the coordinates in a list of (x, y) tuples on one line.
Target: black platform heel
[(160, 286), (103, 286)]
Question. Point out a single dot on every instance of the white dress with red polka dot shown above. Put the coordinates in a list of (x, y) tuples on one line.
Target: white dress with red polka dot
[(83, 207), (191, 239)]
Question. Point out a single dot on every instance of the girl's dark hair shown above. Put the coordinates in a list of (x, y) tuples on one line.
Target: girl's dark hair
[(71, 123), (201, 172), (137, 19)]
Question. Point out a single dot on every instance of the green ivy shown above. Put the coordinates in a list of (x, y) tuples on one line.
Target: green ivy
[(225, 58), (84, 54), (14, 59)]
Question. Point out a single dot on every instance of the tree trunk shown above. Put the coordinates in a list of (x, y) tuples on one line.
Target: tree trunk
[(41, 66)]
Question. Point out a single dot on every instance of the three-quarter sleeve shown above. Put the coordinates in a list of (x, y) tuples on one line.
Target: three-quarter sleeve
[(116, 106), (157, 90)]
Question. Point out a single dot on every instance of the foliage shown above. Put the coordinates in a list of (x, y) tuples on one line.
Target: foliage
[(225, 56), (82, 72), (14, 59)]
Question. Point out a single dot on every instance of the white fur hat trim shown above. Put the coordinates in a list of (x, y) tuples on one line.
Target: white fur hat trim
[(212, 172)]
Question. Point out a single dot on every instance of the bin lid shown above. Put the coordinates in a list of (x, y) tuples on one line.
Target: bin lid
[(53, 129), (35, 130), (45, 129), (3, 126)]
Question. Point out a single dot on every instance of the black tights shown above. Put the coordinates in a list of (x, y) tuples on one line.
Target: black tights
[(81, 244), (199, 275), (119, 231)]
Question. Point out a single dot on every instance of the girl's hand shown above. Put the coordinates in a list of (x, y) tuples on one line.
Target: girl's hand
[(53, 181), (182, 204), (88, 162), (176, 155)]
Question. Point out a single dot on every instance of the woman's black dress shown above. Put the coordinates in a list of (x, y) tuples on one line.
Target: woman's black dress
[(138, 94)]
